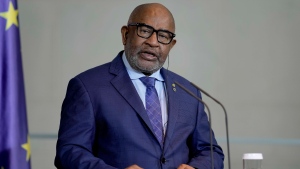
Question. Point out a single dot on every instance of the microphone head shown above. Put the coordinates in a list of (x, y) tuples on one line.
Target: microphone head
[(253, 156)]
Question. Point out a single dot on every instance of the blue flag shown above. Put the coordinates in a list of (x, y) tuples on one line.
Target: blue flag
[(14, 139)]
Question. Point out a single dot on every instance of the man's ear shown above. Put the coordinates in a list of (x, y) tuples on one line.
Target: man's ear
[(173, 43), (124, 33)]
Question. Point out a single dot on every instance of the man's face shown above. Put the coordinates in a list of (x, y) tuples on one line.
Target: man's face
[(148, 55)]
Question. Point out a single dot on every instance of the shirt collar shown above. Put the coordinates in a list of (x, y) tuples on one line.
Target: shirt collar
[(134, 74)]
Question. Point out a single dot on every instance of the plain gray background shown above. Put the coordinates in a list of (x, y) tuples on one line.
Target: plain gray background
[(243, 52)]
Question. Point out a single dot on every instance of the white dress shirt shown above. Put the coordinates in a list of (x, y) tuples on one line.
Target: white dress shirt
[(141, 88)]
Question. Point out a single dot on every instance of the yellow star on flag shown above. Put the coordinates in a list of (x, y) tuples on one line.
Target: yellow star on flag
[(10, 16), (26, 146)]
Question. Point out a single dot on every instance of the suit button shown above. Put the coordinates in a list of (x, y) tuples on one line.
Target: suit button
[(163, 160)]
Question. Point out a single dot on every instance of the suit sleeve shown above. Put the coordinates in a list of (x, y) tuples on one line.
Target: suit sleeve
[(74, 149), (200, 144)]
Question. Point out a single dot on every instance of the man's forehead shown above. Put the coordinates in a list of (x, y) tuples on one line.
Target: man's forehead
[(152, 14)]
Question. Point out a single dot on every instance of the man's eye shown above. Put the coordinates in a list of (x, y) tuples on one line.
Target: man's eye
[(145, 31), (163, 36)]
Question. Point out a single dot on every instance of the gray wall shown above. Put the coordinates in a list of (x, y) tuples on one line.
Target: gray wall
[(244, 52)]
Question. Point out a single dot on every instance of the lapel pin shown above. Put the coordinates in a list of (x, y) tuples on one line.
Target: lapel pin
[(174, 89)]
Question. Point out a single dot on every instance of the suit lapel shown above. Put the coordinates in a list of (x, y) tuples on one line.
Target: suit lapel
[(172, 105), (124, 86)]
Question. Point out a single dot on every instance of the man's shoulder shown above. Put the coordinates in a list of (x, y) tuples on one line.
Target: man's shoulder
[(168, 74), (105, 69), (173, 77), (100, 69)]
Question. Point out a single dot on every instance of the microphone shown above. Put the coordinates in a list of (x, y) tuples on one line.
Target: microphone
[(226, 119), (209, 116)]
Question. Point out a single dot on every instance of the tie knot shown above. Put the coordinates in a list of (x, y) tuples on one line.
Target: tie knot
[(148, 81)]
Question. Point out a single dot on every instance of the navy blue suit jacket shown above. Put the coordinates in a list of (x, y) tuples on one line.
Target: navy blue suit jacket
[(105, 125)]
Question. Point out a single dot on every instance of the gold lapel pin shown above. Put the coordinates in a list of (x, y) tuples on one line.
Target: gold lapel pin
[(174, 89)]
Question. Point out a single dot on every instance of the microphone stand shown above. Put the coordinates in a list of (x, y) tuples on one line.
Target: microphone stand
[(226, 119), (209, 116)]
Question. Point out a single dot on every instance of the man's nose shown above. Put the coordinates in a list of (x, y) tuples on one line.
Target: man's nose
[(152, 40)]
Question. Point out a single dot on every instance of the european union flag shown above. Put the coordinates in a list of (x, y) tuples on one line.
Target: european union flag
[(14, 138)]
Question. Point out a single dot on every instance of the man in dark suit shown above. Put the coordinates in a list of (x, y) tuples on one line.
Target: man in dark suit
[(108, 119)]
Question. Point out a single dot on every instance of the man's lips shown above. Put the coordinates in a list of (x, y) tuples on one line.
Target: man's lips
[(148, 55)]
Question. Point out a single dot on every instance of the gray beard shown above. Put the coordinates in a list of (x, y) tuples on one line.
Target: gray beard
[(133, 61)]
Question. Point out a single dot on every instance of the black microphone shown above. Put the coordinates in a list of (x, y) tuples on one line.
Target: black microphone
[(226, 119), (209, 116)]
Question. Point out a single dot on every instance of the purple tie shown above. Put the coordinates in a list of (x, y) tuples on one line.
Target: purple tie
[(153, 107)]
